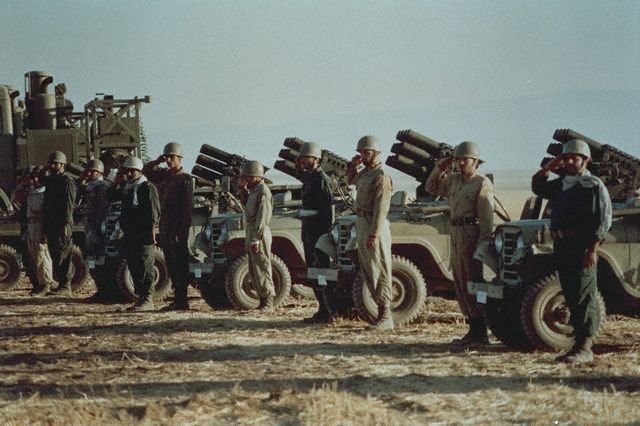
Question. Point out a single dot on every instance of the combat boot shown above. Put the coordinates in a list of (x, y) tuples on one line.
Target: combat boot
[(385, 320), (477, 334), (177, 305), (580, 353), (323, 315), (266, 304), (144, 304), (42, 291), (61, 291)]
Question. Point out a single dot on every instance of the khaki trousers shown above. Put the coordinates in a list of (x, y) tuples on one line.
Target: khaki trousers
[(464, 240), (375, 263), (260, 267), (39, 253)]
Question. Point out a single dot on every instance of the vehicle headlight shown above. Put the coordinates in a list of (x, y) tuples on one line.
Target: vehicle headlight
[(207, 231), (224, 231), (520, 242), (354, 232), (335, 234), (103, 227), (498, 242), (116, 226)]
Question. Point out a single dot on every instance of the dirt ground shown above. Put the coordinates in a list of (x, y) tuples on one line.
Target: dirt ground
[(66, 362)]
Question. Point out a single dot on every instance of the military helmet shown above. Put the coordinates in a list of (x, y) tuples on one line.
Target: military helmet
[(252, 168), (310, 149), (368, 142), (28, 171), (577, 146), (57, 157), (173, 148), (467, 149), (95, 165), (133, 163)]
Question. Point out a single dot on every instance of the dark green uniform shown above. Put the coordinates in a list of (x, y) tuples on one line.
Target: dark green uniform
[(580, 216), (176, 204), (139, 217), (316, 195), (59, 202)]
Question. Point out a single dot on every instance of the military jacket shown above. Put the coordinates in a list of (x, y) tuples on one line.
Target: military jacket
[(317, 195), (59, 202), (373, 198), (176, 199), (257, 212), (140, 211), (97, 203), (468, 198)]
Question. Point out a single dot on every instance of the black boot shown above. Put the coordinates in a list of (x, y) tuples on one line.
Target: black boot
[(323, 314), (477, 334)]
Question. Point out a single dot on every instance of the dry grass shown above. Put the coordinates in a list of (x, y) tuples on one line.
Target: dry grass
[(71, 363)]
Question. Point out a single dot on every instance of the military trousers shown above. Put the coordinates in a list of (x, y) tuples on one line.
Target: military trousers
[(464, 241), (579, 285), (60, 248), (375, 263), (140, 261), (260, 267), (39, 256), (176, 254)]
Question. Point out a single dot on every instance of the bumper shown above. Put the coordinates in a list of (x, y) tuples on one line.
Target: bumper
[(93, 261), (200, 269), (483, 290), (322, 275)]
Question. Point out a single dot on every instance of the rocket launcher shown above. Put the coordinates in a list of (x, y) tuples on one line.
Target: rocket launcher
[(416, 155)]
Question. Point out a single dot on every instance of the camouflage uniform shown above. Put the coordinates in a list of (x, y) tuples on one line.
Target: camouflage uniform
[(472, 202), (257, 214), (176, 206), (373, 199), (58, 205)]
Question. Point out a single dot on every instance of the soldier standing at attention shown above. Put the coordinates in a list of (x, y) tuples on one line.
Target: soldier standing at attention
[(138, 220), (97, 208), (373, 200), (59, 202), (471, 199), (580, 218), (316, 195), (176, 205), (257, 215)]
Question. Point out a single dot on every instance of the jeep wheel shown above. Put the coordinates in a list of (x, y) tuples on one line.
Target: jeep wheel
[(79, 271), (408, 293), (503, 319), (339, 298), (10, 270), (161, 282), (302, 291), (213, 293), (545, 315), (240, 289)]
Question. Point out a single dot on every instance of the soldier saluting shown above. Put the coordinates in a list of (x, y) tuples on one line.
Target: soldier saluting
[(580, 218), (471, 199), (316, 195), (176, 205), (59, 202), (373, 200)]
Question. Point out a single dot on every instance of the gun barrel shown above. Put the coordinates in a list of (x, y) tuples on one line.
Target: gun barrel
[(286, 167), (206, 174), (216, 153), (407, 166), (288, 154), (419, 140), (293, 143), (554, 149), (565, 135), (411, 151)]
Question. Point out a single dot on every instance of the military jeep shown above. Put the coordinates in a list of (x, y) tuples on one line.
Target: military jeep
[(524, 303)]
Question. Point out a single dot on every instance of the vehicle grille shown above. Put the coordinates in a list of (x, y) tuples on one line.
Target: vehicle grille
[(343, 258), (110, 248), (508, 271), (217, 256)]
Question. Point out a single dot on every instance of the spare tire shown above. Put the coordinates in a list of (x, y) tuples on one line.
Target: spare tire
[(80, 271), (161, 282), (408, 293), (239, 287), (10, 268)]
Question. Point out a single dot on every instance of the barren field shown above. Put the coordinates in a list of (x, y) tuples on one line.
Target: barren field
[(65, 362)]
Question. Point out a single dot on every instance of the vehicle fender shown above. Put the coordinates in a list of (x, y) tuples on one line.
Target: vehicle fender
[(325, 245)]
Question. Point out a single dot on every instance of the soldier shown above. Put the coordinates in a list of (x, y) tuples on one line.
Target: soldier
[(176, 205), (257, 214), (138, 220), (19, 202), (97, 208), (373, 199), (38, 252), (471, 199), (59, 202), (580, 218), (316, 195)]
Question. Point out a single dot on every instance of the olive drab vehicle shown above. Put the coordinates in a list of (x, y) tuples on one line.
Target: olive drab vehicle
[(524, 302), (31, 128), (222, 271)]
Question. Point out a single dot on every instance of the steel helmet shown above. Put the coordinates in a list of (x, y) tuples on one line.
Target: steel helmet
[(577, 146), (133, 163), (28, 171), (467, 149), (310, 149), (173, 148), (95, 165), (252, 168), (368, 142), (57, 157)]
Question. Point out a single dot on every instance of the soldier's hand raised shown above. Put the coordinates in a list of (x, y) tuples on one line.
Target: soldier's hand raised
[(444, 163)]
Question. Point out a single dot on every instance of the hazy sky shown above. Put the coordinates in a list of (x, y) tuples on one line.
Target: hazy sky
[(243, 75)]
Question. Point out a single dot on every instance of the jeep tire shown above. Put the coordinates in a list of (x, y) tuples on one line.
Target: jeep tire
[(10, 269), (408, 293), (161, 284), (239, 287), (214, 294)]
